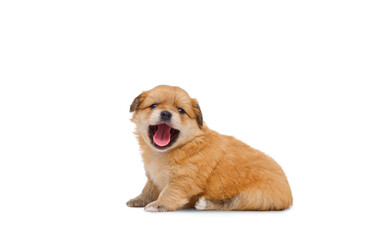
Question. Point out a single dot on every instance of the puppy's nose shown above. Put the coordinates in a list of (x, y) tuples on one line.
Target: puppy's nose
[(165, 115)]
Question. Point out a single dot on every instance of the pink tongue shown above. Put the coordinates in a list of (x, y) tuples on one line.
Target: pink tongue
[(162, 135)]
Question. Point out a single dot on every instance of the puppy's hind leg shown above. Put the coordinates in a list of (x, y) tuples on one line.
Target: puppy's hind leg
[(223, 205), (252, 200), (263, 200)]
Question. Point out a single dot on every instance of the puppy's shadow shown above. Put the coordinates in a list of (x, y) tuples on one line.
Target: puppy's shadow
[(216, 212)]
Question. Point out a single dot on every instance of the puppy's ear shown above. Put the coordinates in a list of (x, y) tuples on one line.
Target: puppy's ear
[(136, 102), (198, 112)]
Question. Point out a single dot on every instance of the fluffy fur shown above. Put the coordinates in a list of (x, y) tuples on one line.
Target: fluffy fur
[(202, 168)]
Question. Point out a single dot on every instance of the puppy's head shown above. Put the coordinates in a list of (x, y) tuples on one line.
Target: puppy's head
[(166, 117)]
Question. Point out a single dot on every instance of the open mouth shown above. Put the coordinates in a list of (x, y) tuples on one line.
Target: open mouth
[(162, 136)]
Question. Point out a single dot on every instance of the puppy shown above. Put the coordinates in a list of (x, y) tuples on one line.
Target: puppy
[(187, 164)]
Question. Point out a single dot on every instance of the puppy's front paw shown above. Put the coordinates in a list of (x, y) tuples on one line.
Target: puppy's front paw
[(136, 202), (155, 207)]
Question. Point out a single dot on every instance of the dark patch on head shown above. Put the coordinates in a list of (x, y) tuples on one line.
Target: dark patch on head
[(198, 112), (136, 102)]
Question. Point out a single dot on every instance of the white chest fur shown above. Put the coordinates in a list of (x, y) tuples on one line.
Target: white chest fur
[(157, 170)]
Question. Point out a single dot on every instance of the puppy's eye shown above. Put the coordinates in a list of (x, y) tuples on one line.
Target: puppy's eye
[(153, 106), (182, 111)]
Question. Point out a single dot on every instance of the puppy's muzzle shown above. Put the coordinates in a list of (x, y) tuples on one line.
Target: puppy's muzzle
[(165, 116)]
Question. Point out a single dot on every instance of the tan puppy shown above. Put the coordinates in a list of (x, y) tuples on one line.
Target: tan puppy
[(187, 164)]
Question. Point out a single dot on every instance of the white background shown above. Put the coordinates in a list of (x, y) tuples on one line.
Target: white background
[(291, 78)]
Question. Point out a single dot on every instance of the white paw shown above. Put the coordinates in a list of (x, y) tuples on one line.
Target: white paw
[(151, 209), (201, 204), (154, 207)]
